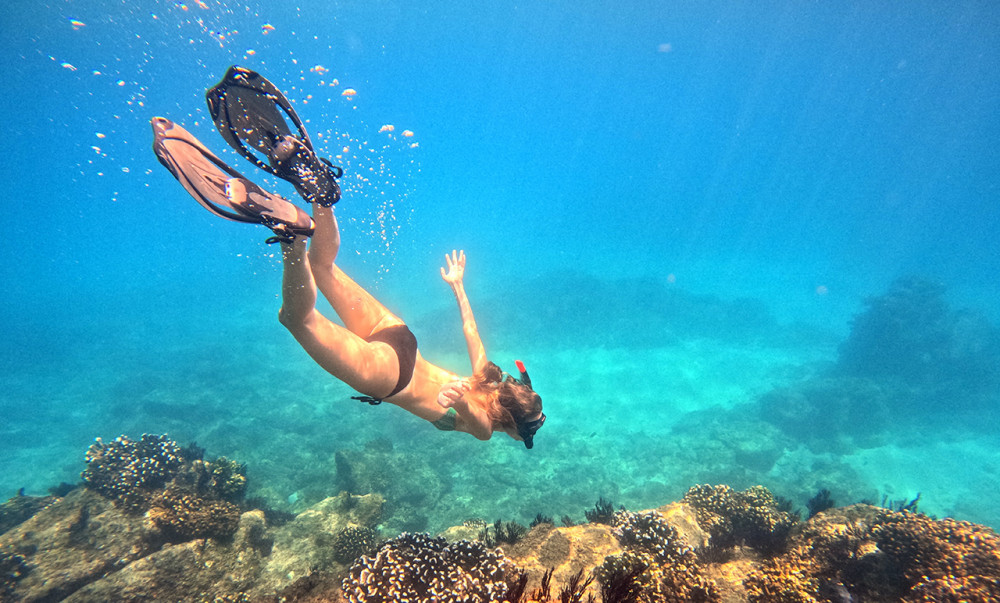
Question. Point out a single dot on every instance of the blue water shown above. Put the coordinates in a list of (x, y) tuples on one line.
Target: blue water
[(671, 210)]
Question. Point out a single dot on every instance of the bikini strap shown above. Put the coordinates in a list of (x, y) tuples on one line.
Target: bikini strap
[(368, 399)]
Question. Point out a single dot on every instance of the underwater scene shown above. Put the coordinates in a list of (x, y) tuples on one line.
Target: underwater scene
[(747, 251)]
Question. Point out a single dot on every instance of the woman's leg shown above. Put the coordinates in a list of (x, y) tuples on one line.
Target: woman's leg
[(360, 311), (370, 368)]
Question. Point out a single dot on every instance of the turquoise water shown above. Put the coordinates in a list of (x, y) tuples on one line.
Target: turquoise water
[(672, 211)]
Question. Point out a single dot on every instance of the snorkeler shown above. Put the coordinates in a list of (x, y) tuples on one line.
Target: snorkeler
[(374, 351)]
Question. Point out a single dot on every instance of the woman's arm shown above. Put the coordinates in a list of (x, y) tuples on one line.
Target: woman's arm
[(470, 418), (454, 275)]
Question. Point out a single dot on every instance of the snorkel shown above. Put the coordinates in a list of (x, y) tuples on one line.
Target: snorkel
[(527, 429)]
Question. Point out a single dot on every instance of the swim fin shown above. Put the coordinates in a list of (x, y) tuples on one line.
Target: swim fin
[(250, 113), (222, 190)]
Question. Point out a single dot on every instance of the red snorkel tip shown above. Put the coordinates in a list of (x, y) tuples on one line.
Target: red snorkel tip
[(520, 366)]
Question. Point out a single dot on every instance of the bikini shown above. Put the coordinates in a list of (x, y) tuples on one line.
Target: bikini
[(404, 343)]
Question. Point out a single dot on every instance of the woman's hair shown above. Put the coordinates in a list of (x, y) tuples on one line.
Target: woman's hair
[(510, 402)]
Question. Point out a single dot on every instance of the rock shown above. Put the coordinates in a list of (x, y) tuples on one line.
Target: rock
[(682, 516), (301, 545), (75, 541), (19, 508), (198, 569), (566, 550)]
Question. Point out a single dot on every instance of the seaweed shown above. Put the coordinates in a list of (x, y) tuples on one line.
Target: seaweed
[(603, 512), (502, 532), (821, 502), (901, 504), (540, 519), (622, 585), (574, 590), (571, 592)]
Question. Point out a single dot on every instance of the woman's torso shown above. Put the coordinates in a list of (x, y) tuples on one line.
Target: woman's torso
[(421, 393)]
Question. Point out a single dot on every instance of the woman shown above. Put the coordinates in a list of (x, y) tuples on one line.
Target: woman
[(374, 352)]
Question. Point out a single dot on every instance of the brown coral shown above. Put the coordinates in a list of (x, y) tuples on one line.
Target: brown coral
[(417, 567), (184, 516), (651, 582), (942, 560), (749, 517), (875, 554), (657, 567)]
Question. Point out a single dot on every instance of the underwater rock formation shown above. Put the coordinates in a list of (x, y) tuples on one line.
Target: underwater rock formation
[(910, 334), (84, 548), (19, 508), (305, 543), (74, 542)]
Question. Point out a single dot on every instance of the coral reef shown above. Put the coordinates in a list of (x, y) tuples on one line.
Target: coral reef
[(649, 532), (85, 548), (185, 496), (223, 478), (870, 554), (909, 333), (421, 568), (749, 517), (720, 544), (127, 470), (183, 516), (941, 560), (352, 542), (657, 566)]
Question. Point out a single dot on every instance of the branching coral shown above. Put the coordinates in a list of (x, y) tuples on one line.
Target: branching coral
[(602, 512), (186, 497), (657, 566), (942, 560), (636, 576), (649, 532), (184, 517), (418, 567), (126, 470), (870, 554), (222, 478), (352, 542), (750, 517)]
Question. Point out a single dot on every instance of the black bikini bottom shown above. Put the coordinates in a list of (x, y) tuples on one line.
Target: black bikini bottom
[(404, 343)]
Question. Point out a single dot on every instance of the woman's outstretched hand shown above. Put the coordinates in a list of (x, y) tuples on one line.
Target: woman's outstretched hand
[(451, 394), (456, 267)]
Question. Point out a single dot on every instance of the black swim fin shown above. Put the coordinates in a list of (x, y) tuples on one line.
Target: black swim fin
[(222, 190), (250, 113)]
